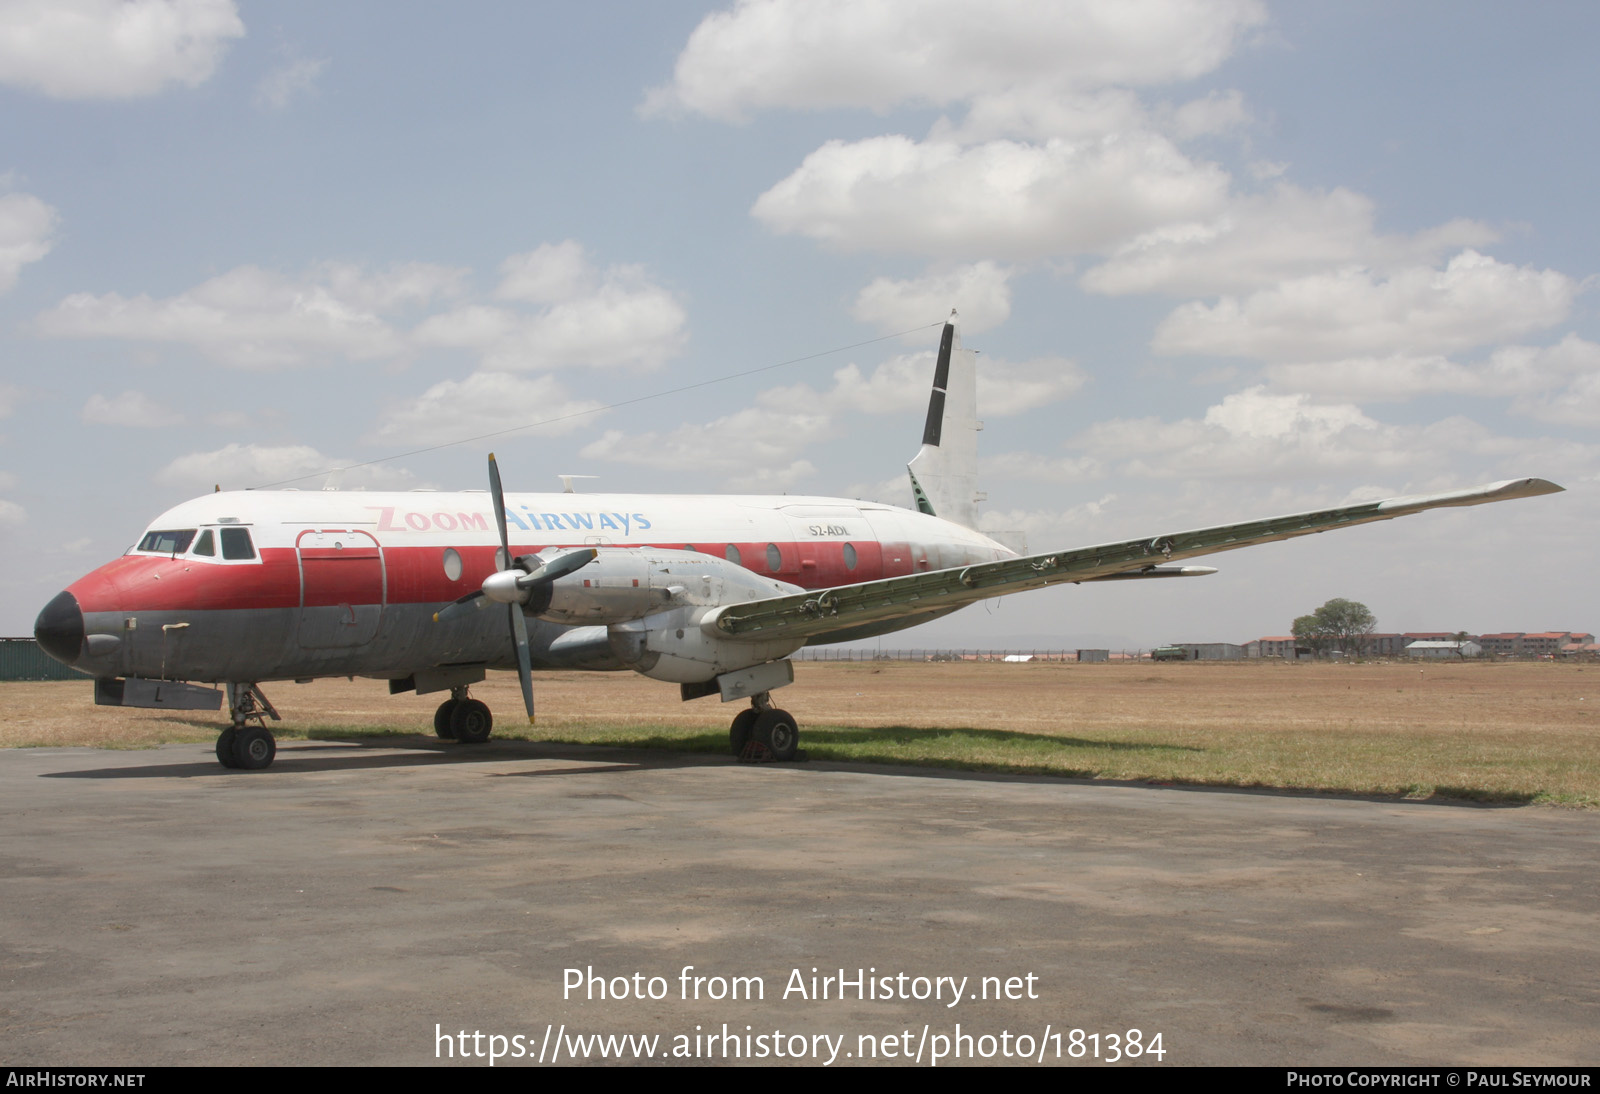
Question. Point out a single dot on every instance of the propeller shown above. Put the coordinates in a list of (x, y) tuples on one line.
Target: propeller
[(513, 586)]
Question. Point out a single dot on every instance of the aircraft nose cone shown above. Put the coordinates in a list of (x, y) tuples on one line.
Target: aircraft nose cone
[(59, 628)]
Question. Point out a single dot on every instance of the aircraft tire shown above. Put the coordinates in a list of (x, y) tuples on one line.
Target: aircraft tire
[(739, 733), (253, 748), (225, 747), (471, 722), (776, 731), (441, 720)]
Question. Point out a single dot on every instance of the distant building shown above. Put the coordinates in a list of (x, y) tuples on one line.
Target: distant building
[(1437, 649), (1275, 646), (1094, 655), (1211, 651)]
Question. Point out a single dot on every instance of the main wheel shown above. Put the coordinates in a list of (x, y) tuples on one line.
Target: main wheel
[(225, 747), (471, 722), (441, 719), (253, 748), (776, 731), (739, 734)]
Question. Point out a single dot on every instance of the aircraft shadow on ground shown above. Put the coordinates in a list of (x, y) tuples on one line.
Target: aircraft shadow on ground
[(325, 749)]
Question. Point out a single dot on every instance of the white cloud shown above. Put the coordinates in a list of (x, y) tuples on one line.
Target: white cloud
[(131, 408), (878, 54), (1473, 301), (999, 199), (1263, 238), (10, 396), (1218, 112), (902, 384), (112, 49), (774, 434), (483, 403), (1037, 114), (979, 291), (255, 318), (1522, 371), (1029, 466), (614, 317), (1256, 434), (26, 225), (293, 80), (547, 274), (1579, 402), (11, 514), (765, 458), (1046, 529), (239, 466)]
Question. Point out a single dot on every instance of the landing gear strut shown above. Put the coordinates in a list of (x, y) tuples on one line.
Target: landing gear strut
[(764, 734), (242, 745), (462, 719)]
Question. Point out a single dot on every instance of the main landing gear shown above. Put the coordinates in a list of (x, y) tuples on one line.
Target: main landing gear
[(765, 734), (242, 745), (462, 719)]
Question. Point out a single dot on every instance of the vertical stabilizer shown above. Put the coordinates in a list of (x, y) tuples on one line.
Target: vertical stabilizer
[(944, 473)]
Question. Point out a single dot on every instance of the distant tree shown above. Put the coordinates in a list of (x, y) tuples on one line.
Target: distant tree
[(1338, 625), (1306, 633)]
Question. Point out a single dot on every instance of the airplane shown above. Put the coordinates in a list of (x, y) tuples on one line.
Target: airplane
[(713, 593)]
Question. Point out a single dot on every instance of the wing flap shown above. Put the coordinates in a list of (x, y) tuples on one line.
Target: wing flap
[(817, 613)]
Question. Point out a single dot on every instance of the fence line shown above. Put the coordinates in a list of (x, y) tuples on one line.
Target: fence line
[(823, 653)]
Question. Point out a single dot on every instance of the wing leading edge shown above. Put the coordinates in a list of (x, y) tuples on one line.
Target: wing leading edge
[(846, 607)]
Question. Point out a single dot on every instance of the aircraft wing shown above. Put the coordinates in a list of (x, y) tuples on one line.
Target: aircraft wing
[(844, 607)]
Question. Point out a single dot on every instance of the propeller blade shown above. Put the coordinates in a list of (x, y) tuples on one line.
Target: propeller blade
[(519, 634), (560, 566), (519, 625), (466, 605), (499, 508)]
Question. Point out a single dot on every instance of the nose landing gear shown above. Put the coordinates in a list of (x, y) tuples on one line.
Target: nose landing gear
[(462, 719), (242, 745)]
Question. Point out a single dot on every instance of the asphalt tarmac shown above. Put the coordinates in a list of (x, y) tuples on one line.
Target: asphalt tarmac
[(421, 903)]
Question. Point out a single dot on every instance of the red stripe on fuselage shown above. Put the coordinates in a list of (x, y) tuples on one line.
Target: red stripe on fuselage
[(416, 575)]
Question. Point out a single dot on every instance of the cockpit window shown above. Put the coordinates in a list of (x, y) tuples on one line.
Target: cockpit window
[(170, 542), (236, 543), (206, 546)]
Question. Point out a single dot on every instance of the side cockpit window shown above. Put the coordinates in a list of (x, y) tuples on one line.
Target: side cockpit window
[(236, 543), (206, 546), (168, 542)]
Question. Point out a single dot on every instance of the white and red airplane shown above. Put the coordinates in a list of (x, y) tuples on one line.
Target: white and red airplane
[(713, 593)]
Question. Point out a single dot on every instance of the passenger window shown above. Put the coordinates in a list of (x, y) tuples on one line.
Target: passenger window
[(206, 546), (849, 556), (732, 555), (774, 558), (236, 543)]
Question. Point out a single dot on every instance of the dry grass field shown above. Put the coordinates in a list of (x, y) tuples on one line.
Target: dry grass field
[(1490, 732)]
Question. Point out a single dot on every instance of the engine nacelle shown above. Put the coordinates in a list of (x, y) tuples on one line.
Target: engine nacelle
[(625, 584), (674, 646)]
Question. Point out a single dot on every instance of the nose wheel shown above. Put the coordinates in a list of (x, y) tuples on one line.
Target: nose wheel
[(462, 719), (243, 746), (765, 734)]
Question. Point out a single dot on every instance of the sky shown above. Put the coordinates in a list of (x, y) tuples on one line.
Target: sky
[(1223, 259)]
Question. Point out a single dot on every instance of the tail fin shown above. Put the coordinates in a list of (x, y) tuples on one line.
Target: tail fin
[(944, 473)]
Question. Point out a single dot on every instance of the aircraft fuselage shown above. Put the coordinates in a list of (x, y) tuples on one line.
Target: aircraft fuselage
[(347, 582)]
